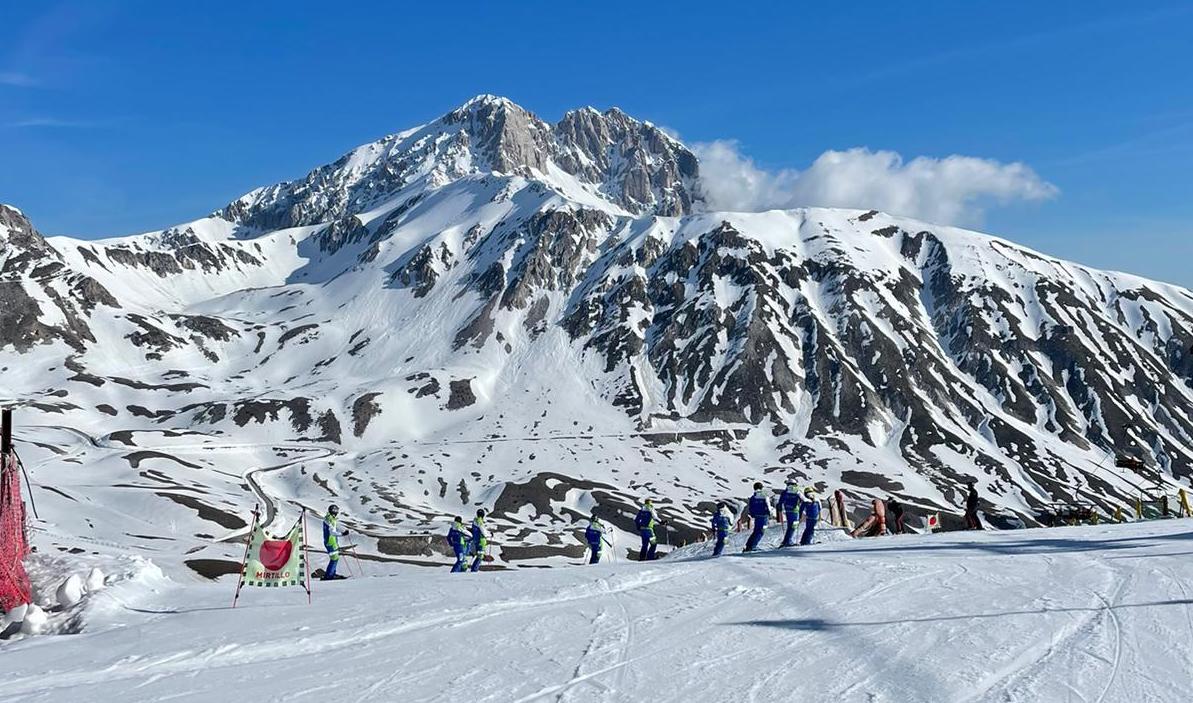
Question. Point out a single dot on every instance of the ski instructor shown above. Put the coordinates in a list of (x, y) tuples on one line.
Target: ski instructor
[(331, 541)]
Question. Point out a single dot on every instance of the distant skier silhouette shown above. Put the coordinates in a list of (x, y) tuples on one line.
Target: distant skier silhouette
[(720, 525), (645, 521), (759, 511), (972, 521), (331, 542), (458, 537), (594, 534), (480, 540), (811, 515), (789, 505)]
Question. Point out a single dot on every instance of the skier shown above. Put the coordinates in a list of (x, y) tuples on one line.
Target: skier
[(720, 526), (645, 521), (789, 504), (457, 537), (759, 511), (594, 534), (480, 539), (331, 541), (811, 515), (895, 508), (972, 521)]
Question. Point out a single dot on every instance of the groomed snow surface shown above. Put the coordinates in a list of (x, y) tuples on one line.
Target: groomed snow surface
[(1068, 614)]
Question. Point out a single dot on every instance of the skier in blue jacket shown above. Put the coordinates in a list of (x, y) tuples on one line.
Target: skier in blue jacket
[(759, 510), (458, 537), (480, 540), (594, 534), (811, 514), (720, 525), (645, 521), (789, 503)]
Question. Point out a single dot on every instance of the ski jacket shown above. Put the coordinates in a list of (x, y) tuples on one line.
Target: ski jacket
[(457, 537), (812, 510), (332, 532), (645, 519), (480, 538), (594, 533), (721, 523), (758, 506), (789, 501)]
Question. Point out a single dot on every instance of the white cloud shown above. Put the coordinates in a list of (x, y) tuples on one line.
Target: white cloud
[(55, 122), (14, 78), (954, 189)]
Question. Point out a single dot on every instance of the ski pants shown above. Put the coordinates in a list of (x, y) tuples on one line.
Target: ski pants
[(649, 545), (809, 532), (461, 559), (595, 550), (972, 521), (792, 523), (720, 546), (333, 560), (480, 556), (756, 535)]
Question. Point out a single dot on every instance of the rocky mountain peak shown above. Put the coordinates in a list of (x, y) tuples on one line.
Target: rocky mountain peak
[(20, 244), (632, 164), (509, 137)]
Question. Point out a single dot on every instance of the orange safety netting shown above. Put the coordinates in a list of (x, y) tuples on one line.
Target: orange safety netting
[(14, 582)]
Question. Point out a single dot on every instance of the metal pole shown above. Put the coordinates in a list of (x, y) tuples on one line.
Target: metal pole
[(247, 544), (28, 484), (5, 431), (306, 555)]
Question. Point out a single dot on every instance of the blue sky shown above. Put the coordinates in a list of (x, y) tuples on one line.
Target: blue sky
[(122, 117)]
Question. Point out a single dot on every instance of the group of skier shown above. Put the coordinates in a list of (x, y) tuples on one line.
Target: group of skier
[(792, 505), (471, 541)]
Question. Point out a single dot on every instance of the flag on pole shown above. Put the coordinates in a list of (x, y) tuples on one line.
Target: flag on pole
[(933, 522), (275, 562)]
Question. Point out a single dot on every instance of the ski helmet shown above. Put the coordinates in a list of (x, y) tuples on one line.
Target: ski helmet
[(333, 510), (480, 512), (720, 507), (758, 485)]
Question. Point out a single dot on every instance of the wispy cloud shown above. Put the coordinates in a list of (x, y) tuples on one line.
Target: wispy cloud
[(1167, 140), (950, 190), (52, 122), (17, 79)]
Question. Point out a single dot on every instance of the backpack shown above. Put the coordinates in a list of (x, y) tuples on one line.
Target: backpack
[(643, 519)]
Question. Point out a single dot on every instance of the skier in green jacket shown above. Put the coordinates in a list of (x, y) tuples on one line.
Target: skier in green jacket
[(331, 541)]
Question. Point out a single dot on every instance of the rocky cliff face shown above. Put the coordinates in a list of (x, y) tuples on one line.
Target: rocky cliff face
[(491, 281)]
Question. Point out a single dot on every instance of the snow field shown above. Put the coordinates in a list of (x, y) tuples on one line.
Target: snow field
[(1090, 613)]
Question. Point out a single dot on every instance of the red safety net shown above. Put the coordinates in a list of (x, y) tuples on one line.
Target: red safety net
[(14, 582)]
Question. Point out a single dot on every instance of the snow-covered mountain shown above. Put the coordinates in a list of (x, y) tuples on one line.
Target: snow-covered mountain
[(491, 310)]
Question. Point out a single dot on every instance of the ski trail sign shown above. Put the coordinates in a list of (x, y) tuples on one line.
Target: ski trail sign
[(273, 563)]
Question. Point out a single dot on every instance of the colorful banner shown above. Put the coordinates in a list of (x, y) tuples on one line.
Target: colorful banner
[(14, 582), (275, 562)]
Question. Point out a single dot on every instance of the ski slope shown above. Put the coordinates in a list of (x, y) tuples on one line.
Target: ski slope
[(1069, 614)]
